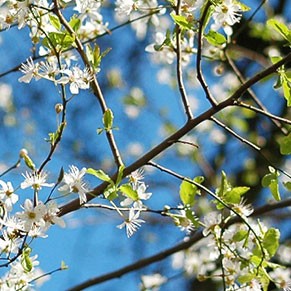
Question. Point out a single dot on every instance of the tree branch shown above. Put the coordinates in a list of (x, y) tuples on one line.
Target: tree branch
[(75, 204)]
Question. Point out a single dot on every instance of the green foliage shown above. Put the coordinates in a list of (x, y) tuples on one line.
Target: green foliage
[(285, 145), (100, 175), (271, 180), (95, 56), (188, 190), (26, 261), (127, 190), (281, 28), (107, 120), (182, 21), (29, 163), (228, 194), (271, 241), (55, 136), (215, 38)]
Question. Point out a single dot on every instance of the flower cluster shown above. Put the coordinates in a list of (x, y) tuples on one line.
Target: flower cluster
[(32, 221), (138, 187), (75, 77)]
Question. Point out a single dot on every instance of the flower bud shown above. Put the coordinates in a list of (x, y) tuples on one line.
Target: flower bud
[(22, 153), (59, 108)]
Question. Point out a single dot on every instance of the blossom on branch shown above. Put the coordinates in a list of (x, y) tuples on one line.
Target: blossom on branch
[(30, 70), (132, 223), (77, 78), (7, 195), (35, 180), (225, 15), (73, 183)]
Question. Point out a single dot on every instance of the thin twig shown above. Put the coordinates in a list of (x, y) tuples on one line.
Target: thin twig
[(179, 68), (94, 84), (252, 93), (200, 77), (236, 135), (250, 144), (264, 112)]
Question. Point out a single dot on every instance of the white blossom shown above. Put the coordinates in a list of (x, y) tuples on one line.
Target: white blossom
[(73, 183), (32, 216), (77, 78), (152, 282), (225, 15), (30, 70), (132, 223), (35, 180), (7, 195)]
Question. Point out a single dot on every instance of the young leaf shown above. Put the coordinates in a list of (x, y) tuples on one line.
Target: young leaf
[(286, 85), (271, 180), (75, 23), (110, 192), (54, 20), (128, 191), (182, 21), (271, 241), (187, 192), (100, 175), (108, 119), (215, 38), (120, 174), (29, 163), (285, 145), (281, 28), (234, 195)]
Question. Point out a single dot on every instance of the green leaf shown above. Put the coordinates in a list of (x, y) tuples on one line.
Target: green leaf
[(75, 23), (243, 7), (234, 195), (55, 136), (54, 20), (286, 85), (108, 119), (187, 192), (240, 235), (271, 180), (64, 266), (100, 175), (271, 241), (224, 187), (281, 28), (129, 192), (58, 40), (246, 278), (110, 192), (26, 261), (287, 185), (182, 21), (120, 174), (215, 38), (274, 187)]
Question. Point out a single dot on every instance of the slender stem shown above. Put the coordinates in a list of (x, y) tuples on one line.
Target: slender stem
[(236, 135), (264, 112), (247, 142), (252, 94), (94, 83), (200, 77), (179, 68)]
